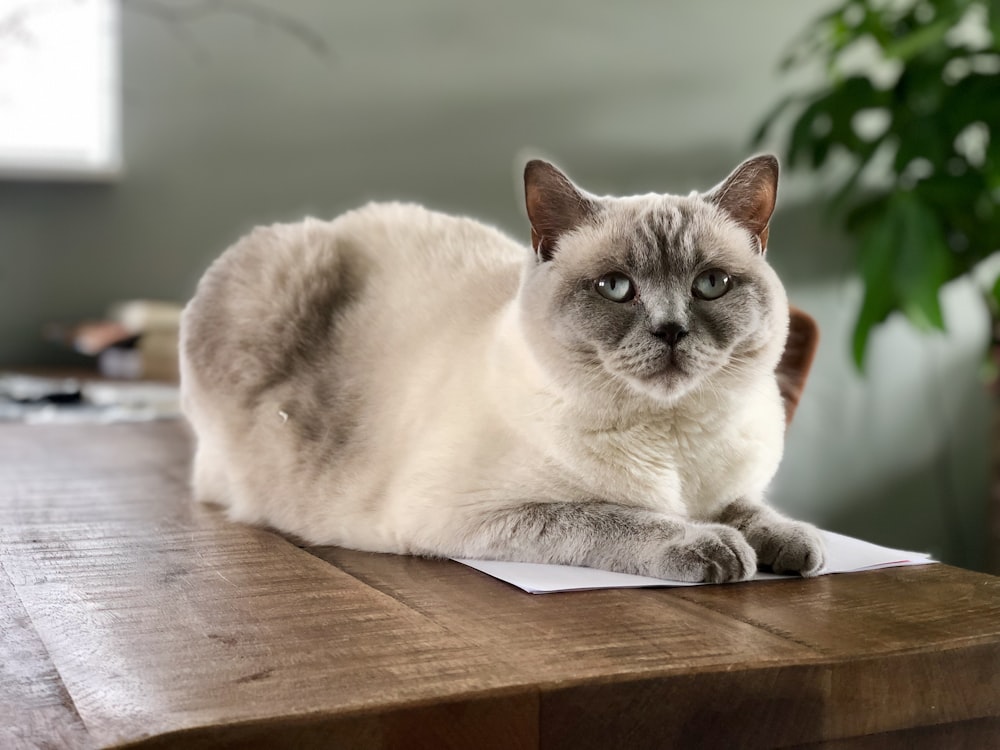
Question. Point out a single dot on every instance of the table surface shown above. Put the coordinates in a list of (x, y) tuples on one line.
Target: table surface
[(132, 616)]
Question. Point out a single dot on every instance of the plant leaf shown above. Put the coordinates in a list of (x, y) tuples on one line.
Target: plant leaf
[(995, 298), (904, 261), (928, 36), (923, 261), (875, 260)]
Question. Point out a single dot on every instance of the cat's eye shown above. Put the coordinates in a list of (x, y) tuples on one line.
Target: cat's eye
[(712, 284), (616, 287)]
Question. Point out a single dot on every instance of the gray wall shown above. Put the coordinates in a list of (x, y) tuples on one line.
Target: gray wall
[(229, 122)]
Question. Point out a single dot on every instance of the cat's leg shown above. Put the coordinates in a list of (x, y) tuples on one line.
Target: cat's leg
[(208, 475), (613, 537), (783, 545)]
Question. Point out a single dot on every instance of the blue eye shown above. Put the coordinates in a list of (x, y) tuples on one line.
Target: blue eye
[(616, 287), (712, 284)]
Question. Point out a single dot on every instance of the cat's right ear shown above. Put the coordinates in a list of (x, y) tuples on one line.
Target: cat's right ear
[(555, 206)]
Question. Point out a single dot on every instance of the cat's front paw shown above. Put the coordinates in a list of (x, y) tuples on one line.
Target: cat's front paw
[(712, 553), (790, 547)]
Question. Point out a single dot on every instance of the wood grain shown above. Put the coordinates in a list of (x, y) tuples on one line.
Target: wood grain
[(566, 637), (35, 709), (161, 628), (133, 618), (51, 474)]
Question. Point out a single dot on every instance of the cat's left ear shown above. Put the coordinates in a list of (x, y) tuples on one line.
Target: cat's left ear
[(555, 206), (748, 195)]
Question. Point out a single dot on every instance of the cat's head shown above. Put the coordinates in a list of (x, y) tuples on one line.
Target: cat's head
[(658, 293)]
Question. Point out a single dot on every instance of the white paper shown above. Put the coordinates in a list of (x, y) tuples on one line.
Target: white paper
[(844, 555)]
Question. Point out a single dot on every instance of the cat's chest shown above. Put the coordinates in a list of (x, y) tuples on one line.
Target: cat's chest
[(692, 462)]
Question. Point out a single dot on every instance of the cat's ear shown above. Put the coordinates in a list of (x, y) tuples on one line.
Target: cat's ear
[(748, 195), (555, 205)]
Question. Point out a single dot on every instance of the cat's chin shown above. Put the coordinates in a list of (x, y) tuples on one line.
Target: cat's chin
[(667, 387)]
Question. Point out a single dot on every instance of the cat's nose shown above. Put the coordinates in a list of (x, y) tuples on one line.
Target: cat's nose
[(671, 333)]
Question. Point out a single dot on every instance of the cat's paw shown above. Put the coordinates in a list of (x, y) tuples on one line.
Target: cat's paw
[(790, 547), (712, 553)]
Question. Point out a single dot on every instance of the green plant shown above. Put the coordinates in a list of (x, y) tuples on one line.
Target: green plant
[(908, 118)]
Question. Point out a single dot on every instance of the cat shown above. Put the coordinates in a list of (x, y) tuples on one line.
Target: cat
[(400, 380)]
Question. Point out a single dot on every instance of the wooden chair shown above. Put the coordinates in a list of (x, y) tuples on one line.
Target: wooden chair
[(800, 350)]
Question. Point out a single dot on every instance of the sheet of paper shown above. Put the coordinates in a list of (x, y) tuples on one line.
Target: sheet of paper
[(844, 555)]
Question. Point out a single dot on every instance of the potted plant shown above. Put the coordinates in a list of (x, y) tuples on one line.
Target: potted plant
[(907, 123)]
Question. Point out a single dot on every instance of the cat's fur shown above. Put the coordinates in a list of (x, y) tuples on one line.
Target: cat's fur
[(404, 381)]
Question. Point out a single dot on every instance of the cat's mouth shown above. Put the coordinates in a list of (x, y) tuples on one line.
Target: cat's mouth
[(673, 362), (666, 374), (669, 376)]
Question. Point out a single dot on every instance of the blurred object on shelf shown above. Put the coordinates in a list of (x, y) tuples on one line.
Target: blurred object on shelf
[(142, 315), (90, 338), (138, 340)]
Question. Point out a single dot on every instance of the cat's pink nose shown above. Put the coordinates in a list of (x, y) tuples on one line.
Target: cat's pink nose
[(671, 333)]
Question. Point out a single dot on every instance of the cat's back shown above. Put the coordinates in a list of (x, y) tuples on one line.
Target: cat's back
[(280, 295), (408, 235), (396, 240)]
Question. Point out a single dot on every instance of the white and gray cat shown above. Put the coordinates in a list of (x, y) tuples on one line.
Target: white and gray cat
[(399, 380)]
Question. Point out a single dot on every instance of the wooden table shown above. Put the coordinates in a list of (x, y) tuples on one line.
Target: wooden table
[(132, 616)]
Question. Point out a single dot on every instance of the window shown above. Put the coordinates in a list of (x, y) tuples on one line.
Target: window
[(59, 89)]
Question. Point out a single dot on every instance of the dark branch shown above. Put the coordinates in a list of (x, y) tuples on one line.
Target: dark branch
[(180, 15)]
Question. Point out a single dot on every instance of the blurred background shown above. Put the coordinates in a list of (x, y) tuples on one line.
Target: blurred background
[(241, 113)]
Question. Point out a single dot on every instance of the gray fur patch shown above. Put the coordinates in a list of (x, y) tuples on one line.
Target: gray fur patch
[(614, 537)]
